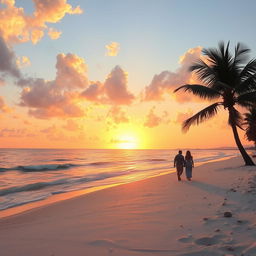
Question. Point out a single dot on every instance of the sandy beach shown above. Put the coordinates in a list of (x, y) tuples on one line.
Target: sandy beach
[(156, 216), (97, 99)]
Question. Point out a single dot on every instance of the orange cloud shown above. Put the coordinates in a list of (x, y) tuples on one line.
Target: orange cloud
[(13, 23), (14, 133), (45, 100), (116, 87), (71, 126), (53, 11), (53, 133), (153, 120), (23, 61), (8, 63), (3, 107), (17, 27), (27, 122), (50, 129), (62, 96), (71, 71), (54, 34), (167, 81), (112, 49), (94, 92), (117, 115), (59, 97), (113, 91), (69, 110)]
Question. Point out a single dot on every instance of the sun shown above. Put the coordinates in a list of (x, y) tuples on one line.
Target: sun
[(126, 142), (127, 137)]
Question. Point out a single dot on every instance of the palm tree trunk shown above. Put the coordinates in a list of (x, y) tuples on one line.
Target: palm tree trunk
[(246, 157)]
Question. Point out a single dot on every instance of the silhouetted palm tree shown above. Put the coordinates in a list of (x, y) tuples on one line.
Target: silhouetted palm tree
[(250, 122), (228, 78)]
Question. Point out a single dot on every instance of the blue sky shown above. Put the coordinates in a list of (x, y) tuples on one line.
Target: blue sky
[(152, 34)]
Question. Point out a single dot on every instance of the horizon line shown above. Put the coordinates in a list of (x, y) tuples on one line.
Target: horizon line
[(183, 148)]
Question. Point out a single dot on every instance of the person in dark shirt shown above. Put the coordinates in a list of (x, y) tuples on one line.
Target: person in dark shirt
[(179, 163)]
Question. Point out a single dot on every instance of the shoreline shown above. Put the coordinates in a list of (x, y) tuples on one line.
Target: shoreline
[(77, 193), (158, 216)]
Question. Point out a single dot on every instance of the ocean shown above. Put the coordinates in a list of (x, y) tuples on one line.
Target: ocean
[(30, 175)]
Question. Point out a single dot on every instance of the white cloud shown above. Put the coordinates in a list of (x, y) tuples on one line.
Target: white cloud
[(167, 81)]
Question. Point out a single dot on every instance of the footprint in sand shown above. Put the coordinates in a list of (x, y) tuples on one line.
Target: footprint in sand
[(111, 245), (208, 241), (211, 221), (202, 253), (186, 239), (241, 226)]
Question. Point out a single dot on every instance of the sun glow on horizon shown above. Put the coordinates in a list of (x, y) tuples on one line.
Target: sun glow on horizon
[(126, 140)]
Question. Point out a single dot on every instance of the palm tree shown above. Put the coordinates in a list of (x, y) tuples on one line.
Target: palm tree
[(228, 78), (250, 122)]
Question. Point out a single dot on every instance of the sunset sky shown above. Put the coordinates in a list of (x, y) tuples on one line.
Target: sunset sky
[(101, 74)]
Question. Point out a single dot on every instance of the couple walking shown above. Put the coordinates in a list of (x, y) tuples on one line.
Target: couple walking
[(187, 162)]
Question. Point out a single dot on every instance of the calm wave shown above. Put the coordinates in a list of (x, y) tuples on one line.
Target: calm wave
[(29, 175)]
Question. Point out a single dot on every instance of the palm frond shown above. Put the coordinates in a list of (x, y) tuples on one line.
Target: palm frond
[(201, 116), (222, 64), (204, 72), (202, 91), (250, 122), (235, 117), (219, 56), (223, 85), (213, 55), (247, 84), (250, 117), (248, 98), (248, 70), (245, 104), (247, 77), (240, 54), (225, 51)]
